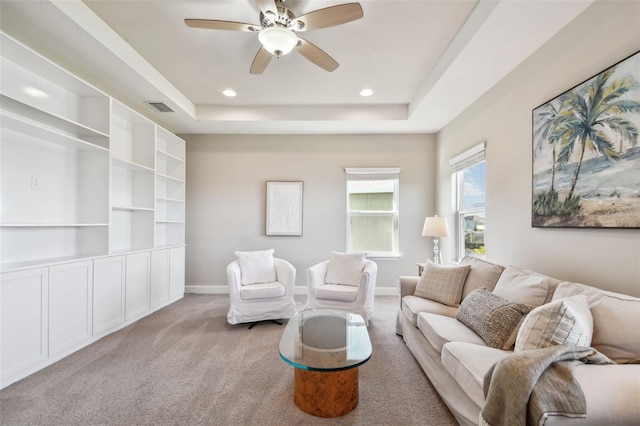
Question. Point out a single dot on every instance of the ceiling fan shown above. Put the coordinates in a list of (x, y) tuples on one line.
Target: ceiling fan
[(278, 28)]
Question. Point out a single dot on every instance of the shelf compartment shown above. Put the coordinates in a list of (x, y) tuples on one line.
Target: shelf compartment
[(132, 136), (35, 81), (51, 182), (169, 188), (131, 230), (170, 144), (170, 166), (52, 134), (132, 186), (169, 210), (169, 234), (24, 246)]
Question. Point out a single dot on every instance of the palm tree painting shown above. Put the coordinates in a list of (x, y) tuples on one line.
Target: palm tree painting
[(586, 153)]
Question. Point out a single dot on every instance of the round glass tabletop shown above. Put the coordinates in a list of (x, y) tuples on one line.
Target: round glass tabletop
[(325, 340)]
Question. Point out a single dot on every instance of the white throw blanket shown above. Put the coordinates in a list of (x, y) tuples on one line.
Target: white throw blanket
[(527, 387)]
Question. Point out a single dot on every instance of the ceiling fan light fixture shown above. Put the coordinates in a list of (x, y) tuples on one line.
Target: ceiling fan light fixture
[(278, 41)]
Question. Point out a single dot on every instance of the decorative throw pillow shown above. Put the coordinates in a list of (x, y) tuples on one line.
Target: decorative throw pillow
[(345, 268), (492, 317), (256, 267), (443, 284), (566, 320)]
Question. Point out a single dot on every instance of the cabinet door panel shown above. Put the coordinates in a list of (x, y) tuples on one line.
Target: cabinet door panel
[(159, 277), (176, 273), (23, 318), (137, 284), (70, 306), (108, 293)]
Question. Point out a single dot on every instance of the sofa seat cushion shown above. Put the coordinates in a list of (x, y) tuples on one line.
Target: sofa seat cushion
[(615, 320), (342, 293), (262, 291), (412, 305), (467, 363), (440, 330)]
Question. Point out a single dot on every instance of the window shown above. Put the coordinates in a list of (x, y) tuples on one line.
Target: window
[(372, 211), (468, 189)]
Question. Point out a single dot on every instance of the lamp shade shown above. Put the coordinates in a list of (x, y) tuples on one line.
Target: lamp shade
[(435, 227), (278, 40)]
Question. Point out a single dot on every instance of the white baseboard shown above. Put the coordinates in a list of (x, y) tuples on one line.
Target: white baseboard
[(224, 289)]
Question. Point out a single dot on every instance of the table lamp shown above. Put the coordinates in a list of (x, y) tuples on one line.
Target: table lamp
[(435, 227)]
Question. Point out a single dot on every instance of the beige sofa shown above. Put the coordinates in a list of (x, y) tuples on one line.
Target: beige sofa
[(455, 358)]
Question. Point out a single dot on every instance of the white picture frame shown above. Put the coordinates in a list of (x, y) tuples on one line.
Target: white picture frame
[(284, 208)]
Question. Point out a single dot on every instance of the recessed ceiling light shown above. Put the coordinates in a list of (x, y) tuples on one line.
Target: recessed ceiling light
[(229, 93), (366, 92)]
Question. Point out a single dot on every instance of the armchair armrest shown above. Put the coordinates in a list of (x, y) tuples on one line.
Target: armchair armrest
[(286, 274), (233, 278), (407, 285), (316, 274)]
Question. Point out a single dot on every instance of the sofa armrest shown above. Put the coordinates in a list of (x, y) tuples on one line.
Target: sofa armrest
[(407, 285)]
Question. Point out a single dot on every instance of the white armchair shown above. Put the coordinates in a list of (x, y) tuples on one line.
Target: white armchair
[(266, 299), (356, 297)]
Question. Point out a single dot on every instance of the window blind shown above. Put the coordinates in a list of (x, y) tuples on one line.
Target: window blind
[(379, 173), (468, 158)]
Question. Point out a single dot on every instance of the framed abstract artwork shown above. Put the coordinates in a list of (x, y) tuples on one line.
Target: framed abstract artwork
[(284, 208), (586, 153)]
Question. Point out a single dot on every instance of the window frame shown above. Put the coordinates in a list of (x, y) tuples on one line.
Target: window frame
[(470, 158), (372, 173)]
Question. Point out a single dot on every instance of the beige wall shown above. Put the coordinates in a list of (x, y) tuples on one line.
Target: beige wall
[(603, 35), (226, 184)]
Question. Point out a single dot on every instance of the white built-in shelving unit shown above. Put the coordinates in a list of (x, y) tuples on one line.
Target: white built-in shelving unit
[(92, 216), (170, 189)]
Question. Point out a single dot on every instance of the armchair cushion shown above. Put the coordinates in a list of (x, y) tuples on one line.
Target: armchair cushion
[(345, 268), (256, 267), (343, 293), (262, 291)]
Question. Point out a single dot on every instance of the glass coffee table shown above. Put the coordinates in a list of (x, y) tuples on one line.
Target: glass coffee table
[(325, 347)]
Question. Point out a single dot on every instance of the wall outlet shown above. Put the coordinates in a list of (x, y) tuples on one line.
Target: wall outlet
[(35, 182)]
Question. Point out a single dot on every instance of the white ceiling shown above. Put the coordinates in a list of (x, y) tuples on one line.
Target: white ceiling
[(426, 60)]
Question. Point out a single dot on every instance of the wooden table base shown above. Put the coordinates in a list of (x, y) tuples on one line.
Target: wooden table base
[(326, 394)]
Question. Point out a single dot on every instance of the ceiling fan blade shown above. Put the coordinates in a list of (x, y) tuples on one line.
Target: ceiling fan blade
[(214, 24), (260, 62), (267, 6), (316, 55), (328, 17)]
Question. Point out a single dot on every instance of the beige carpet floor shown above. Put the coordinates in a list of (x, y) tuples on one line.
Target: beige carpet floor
[(184, 365)]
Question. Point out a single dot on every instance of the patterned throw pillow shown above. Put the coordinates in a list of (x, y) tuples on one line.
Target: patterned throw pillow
[(443, 284), (566, 320), (492, 317)]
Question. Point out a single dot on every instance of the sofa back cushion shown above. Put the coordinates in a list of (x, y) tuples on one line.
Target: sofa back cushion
[(615, 320), (524, 286), (482, 274)]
